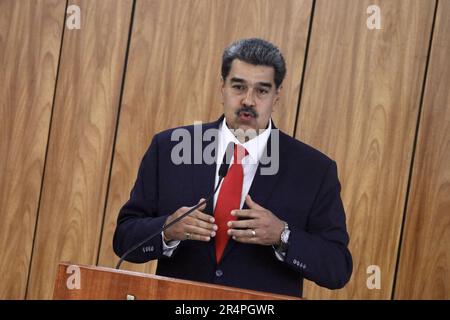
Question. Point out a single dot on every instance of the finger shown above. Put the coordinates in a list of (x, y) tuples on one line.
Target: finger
[(198, 237), (242, 224), (201, 224), (238, 233), (252, 204), (194, 230), (181, 211), (194, 233), (252, 240), (245, 213), (203, 206), (203, 216)]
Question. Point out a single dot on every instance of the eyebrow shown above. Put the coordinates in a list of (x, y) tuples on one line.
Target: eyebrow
[(239, 80)]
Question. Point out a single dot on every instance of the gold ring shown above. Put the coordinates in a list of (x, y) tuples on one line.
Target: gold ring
[(253, 233), (188, 236)]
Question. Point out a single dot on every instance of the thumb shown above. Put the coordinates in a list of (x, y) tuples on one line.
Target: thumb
[(202, 207), (252, 204)]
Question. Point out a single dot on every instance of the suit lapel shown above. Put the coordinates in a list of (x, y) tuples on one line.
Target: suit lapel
[(203, 177)]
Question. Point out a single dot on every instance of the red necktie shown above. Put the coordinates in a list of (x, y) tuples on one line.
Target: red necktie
[(229, 199)]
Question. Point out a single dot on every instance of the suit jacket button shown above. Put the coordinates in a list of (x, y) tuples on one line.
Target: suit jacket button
[(219, 273)]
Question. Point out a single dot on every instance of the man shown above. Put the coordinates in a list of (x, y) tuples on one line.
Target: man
[(263, 232)]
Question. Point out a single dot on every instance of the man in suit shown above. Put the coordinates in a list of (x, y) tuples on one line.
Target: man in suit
[(264, 232)]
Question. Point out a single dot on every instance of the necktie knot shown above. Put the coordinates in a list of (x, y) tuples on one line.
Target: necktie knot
[(239, 153)]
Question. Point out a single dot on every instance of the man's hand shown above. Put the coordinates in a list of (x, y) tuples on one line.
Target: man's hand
[(259, 227), (196, 226)]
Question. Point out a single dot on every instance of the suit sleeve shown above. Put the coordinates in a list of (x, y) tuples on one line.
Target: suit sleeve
[(320, 252), (138, 217)]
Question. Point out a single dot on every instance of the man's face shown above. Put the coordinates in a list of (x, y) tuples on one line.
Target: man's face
[(249, 96)]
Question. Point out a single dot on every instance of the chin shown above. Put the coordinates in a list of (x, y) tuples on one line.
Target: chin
[(245, 126)]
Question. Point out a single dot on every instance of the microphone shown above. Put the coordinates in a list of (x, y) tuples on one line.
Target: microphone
[(223, 170)]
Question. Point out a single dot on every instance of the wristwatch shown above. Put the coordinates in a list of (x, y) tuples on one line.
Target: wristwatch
[(284, 243)]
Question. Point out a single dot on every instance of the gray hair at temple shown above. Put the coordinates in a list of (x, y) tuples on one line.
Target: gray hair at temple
[(257, 52)]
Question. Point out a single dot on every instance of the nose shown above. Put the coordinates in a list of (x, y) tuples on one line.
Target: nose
[(249, 99)]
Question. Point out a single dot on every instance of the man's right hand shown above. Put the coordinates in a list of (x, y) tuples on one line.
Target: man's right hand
[(196, 226)]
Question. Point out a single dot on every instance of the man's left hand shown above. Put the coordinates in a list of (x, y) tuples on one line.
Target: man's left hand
[(259, 227)]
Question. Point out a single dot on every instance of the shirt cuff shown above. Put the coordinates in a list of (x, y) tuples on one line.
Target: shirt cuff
[(170, 246)]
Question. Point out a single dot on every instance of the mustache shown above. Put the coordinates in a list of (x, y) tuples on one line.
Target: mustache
[(247, 109)]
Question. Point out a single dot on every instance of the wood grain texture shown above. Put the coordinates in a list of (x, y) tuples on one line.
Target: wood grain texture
[(30, 36), (81, 138), (99, 283), (173, 77), (360, 106), (424, 271)]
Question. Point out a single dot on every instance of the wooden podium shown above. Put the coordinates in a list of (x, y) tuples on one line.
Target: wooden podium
[(99, 283)]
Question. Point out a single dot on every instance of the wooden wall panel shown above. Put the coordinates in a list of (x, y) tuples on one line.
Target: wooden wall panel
[(83, 127), (360, 106), (424, 271), (173, 77), (30, 37)]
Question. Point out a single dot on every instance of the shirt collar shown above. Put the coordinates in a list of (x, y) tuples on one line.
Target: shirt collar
[(255, 146)]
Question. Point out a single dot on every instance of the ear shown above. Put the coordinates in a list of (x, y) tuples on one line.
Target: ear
[(277, 97), (278, 91)]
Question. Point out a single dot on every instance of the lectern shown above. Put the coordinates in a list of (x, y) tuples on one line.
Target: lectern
[(82, 282)]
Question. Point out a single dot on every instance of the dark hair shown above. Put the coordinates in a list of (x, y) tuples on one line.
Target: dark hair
[(257, 52)]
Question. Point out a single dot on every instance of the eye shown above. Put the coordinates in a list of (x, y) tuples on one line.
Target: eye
[(238, 87), (262, 91)]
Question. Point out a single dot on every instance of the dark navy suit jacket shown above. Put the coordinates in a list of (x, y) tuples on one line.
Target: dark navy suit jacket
[(305, 193)]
